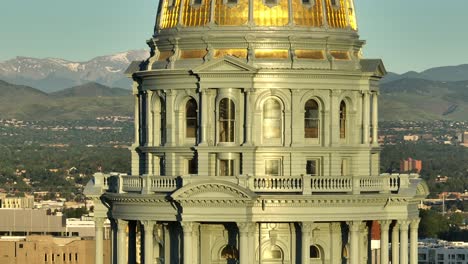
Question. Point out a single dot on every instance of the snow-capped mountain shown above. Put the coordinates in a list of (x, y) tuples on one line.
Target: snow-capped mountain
[(52, 74)]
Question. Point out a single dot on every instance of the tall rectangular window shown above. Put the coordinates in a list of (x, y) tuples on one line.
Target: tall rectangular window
[(313, 167), (192, 166), (273, 167)]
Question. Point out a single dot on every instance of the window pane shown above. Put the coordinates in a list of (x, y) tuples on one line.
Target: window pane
[(342, 120), (311, 167), (192, 166), (271, 119), (191, 118), (226, 167), (311, 119), (272, 167), (227, 118)]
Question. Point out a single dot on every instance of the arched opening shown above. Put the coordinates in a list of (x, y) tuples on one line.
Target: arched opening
[(343, 118), (314, 252), (311, 119), (227, 119), (272, 119), (230, 254), (191, 120)]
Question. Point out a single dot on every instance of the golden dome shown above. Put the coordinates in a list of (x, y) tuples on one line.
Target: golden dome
[(337, 14)]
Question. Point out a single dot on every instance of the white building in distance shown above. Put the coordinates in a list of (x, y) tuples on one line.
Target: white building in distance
[(256, 142)]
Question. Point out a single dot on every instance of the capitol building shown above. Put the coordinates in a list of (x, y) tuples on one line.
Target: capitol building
[(256, 142)]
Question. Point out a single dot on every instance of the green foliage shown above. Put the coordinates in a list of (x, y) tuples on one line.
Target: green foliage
[(74, 212), (432, 224), (437, 159)]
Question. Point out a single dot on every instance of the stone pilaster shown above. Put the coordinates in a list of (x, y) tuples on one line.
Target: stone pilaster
[(148, 241), (306, 233), (188, 230)]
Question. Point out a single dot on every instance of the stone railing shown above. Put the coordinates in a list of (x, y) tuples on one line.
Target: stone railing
[(305, 184)]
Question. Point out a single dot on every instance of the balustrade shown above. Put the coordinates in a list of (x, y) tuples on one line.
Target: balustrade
[(305, 184)]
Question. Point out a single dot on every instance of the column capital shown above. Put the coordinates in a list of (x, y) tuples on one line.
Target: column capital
[(99, 221), (246, 227), (385, 224), (403, 225), (187, 226), (306, 226), (354, 226), (148, 224), (121, 224), (414, 224)]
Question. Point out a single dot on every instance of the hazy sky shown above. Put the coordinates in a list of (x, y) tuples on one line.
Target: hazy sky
[(407, 34)]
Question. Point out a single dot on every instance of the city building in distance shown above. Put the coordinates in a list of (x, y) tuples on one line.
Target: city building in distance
[(410, 165), (256, 142)]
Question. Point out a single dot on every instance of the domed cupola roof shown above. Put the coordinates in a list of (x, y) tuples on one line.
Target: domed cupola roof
[(315, 34)]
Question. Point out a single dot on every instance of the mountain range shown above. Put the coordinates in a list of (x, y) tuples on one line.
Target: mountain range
[(54, 74), (437, 93), (86, 101)]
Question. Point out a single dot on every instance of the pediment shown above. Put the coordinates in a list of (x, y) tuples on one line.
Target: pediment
[(375, 66), (212, 190), (226, 64)]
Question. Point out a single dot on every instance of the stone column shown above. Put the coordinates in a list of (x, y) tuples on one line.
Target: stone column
[(121, 241), (384, 227), (414, 241), (365, 117), (132, 242), (375, 125), (148, 241), (188, 229), (306, 229), (363, 242), (99, 238), (251, 245), (403, 241), (203, 107), (395, 243), (170, 118), (248, 119), (354, 241), (244, 230)]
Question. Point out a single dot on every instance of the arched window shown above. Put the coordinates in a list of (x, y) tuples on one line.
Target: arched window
[(227, 119), (191, 118), (343, 114), (271, 119), (311, 119), (314, 252), (273, 252), (230, 252)]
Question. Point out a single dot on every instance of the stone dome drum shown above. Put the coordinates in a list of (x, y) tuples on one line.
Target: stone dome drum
[(266, 33)]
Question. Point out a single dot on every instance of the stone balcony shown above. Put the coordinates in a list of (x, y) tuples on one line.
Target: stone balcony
[(304, 184)]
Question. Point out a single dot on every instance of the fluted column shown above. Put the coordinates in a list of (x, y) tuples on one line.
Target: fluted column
[(354, 241), (188, 229), (403, 241), (306, 229), (99, 238), (375, 125), (244, 230), (396, 243), (148, 241), (384, 227), (121, 241)]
